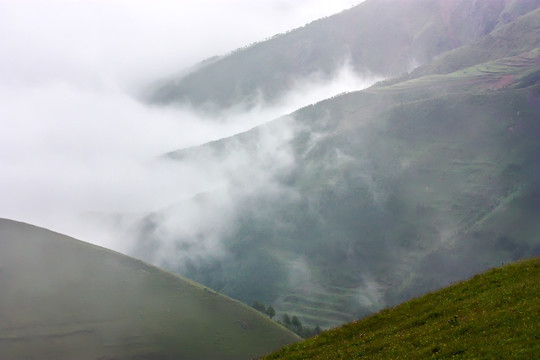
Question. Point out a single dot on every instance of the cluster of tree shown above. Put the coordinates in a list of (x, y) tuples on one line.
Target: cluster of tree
[(265, 310), (292, 323)]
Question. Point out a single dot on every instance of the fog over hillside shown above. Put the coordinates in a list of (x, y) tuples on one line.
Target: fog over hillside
[(261, 171), (75, 141)]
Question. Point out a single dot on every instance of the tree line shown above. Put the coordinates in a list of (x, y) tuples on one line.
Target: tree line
[(292, 323)]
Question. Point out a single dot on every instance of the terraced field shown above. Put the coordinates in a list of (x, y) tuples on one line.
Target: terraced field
[(490, 76), (323, 306)]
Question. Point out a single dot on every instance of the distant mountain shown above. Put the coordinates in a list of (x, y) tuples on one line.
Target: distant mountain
[(61, 298), (493, 315), (389, 192), (382, 37)]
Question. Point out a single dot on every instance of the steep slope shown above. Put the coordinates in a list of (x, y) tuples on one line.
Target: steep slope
[(391, 191), (495, 315), (382, 37), (64, 299)]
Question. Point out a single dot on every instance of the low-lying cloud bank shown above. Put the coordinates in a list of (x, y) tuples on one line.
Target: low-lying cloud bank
[(68, 149)]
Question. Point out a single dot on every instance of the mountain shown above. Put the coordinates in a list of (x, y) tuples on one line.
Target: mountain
[(491, 316), (381, 37), (370, 198), (65, 299)]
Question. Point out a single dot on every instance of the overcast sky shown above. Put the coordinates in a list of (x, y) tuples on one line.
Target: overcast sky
[(91, 41), (72, 137)]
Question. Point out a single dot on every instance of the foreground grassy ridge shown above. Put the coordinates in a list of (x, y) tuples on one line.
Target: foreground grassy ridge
[(495, 315), (64, 299)]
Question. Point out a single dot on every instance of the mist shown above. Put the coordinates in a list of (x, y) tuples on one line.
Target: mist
[(76, 145)]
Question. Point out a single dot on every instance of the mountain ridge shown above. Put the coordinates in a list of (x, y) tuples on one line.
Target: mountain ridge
[(377, 36)]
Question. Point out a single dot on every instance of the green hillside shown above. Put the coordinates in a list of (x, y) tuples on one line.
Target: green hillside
[(61, 298), (394, 191), (495, 315), (382, 37)]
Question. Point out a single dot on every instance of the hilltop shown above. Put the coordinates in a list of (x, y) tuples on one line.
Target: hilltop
[(65, 299), (495, 315)]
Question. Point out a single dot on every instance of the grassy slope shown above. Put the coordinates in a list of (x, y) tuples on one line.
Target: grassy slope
[(495, 315), (63, 299)]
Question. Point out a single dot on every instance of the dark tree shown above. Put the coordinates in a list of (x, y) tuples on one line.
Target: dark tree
[(270, 311), (296, 323), (286, 320), (259, 307)]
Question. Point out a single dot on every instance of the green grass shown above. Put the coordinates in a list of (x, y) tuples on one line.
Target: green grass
[(64, 299), (495, 315)]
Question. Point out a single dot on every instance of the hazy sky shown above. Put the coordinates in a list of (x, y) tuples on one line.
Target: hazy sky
[(74, 140), (93, 41)]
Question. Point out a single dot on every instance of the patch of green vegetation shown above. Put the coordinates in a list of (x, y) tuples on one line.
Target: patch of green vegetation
[(64, 299), (495, 315)]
